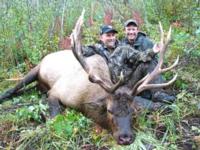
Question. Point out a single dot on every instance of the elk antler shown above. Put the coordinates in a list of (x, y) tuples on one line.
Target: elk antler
[(77, 51), (143, 83)]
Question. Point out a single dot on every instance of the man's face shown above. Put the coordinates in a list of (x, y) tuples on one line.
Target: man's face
[(108, 39), (131, 32)]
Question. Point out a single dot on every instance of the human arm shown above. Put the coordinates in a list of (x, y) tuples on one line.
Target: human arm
[(135, 56), (125, 59), (88, 51)]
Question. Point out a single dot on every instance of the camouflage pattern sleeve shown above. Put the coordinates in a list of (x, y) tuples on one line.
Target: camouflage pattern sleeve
[(117, 63), (138, 56), (88, 51), (126, 59)]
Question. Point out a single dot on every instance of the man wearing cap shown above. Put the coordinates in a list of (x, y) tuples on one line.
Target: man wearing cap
[(139, 41), (106, 45), (134, 37)]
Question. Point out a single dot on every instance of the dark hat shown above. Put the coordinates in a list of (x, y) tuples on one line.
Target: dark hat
[(107, 29), (130, 21)]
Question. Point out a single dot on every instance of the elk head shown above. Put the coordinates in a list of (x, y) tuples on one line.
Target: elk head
[(119, 101)]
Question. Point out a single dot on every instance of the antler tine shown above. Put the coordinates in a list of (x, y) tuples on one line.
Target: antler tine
[(77, 51), (172, 66), (168, 37), (161, 33), (76, 42), (149, 86), (118, 84), (76, 34), (164, 43), (134, 90), (143, 84), (104, 85)]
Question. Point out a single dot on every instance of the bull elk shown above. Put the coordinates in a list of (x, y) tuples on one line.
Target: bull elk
[(85, 85)]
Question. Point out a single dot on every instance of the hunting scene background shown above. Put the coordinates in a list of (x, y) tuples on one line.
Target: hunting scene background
[(31, 29)]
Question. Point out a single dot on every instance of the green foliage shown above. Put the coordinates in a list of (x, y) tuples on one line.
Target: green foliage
[(189, 76), (32, 112), (69, 125), (30, 30), (91, 35), (23, 35), (143, 141), (181, 84), (167, 11), (63, 132)]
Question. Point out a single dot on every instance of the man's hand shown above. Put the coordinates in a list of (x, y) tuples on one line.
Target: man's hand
[(157, 47)]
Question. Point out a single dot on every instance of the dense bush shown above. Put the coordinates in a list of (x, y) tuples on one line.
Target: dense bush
[(29, 29)]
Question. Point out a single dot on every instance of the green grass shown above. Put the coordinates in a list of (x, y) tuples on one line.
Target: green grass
[(22, 124), (71, 130)]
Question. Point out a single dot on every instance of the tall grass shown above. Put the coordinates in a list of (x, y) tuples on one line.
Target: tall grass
[(30, 29)]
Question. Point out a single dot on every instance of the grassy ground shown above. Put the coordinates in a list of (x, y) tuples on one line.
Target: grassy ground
[(23, 123)]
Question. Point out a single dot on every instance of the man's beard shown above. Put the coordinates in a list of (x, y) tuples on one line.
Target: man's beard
[(110, 44)]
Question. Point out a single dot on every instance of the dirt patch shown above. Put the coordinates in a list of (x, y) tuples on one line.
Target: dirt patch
[(8, 135), (189, 128)]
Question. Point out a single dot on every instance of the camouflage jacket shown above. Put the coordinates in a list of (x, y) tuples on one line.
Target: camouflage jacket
[(126, 59), (98, 48)]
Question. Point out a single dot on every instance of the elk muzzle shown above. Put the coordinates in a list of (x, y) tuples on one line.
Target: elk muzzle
[(123, 132)]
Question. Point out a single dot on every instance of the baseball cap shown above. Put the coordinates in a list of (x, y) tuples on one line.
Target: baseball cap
[(130, 21), (107, 29)]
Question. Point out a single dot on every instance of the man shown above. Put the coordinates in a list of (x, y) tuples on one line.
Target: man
[(106, 45), (134, 37), (139, 41)]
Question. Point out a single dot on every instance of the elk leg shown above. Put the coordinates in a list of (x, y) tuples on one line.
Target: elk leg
[(54, 106), (29, 78)]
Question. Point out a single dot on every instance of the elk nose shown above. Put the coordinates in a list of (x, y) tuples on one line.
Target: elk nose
[(125, 139)]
